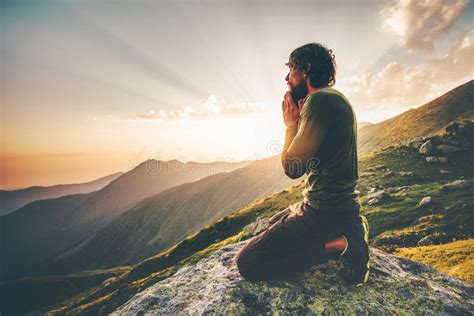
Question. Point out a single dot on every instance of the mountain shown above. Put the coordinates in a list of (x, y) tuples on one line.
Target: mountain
[(363, 124), (214, 286), (397, 219), (48, 227), (159, 221), (14, 199), (427, 119)]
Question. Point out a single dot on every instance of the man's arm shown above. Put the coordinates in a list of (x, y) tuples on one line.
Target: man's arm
[(301, 144)]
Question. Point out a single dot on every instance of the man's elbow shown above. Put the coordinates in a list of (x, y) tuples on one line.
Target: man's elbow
[(293, 175), (293, 170)]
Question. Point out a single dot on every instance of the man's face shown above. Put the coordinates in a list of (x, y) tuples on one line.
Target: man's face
[(296, 82)]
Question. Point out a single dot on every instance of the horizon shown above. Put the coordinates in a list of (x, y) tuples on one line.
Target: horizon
[(169, 84)]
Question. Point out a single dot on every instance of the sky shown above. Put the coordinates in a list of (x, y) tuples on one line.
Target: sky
[(89, 88)]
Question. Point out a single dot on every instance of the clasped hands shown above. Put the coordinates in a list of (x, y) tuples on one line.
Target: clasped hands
[(291, 113)]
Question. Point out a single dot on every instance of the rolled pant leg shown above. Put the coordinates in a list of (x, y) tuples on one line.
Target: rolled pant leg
[(290, 245)]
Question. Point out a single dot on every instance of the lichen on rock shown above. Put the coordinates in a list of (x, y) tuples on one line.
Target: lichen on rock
[(214, 286)]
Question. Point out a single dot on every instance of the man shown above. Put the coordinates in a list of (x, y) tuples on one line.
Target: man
[(320, 141)]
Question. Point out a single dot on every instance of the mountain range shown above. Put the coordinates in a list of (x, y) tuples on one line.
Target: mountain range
[(11, 200), (46, 228)]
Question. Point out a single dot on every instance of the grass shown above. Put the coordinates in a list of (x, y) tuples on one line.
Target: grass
[(455, 258)]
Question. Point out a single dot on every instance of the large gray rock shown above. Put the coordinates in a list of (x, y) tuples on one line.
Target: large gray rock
[(214, 286), (426, 148)]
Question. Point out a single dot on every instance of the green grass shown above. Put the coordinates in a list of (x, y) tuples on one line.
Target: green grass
[(455, 258)]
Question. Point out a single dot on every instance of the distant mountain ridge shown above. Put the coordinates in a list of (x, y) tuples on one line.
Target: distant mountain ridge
[(47, 227), (11, 200), (163, 219), (428, 118)]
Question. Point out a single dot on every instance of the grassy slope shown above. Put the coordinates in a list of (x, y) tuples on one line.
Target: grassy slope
[(455, 258), (453, 105), (36, 292), (396, 223)]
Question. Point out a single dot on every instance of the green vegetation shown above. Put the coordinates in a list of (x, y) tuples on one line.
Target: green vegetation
[(455, 258), (44, 291)]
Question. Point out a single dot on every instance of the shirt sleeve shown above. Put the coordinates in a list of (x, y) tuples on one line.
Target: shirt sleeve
[(312, 129)]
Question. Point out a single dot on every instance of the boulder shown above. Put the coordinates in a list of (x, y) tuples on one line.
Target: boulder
[(426, 148), (426, 241), (378, 195), (432, 159), (425, 201), (213, 286), (456, 185)]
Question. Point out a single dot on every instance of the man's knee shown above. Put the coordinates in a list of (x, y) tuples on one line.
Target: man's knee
[(247, 264)]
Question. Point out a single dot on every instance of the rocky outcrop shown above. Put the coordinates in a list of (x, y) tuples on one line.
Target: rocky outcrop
[(214, 286)]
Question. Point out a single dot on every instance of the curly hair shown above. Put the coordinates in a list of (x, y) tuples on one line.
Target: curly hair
[(323, 64)]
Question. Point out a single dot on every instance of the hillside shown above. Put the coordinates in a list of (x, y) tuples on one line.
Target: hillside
[(163, 219), (397, 220), (15, 199), (48, 227), (429, 118)]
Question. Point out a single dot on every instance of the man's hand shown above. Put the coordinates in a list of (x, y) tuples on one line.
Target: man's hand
[(291, 113)]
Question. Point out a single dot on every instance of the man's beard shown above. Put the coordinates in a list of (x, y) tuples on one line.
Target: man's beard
[(299, 92)]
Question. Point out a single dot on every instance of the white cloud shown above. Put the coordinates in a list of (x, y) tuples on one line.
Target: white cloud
[(418, 23), (398, 86), (213, 107)]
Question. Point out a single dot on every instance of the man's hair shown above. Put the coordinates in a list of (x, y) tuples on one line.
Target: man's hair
[(323, 64)]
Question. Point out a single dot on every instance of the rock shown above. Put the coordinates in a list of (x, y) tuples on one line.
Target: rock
[(377, 167), (444, 171), (415, 143), (456, 185), (426, 241), (389, 174), (426, 148), (373, 201), (367, 174), (380, 195), (406, 173), (447, 148), (442, 159), (257, 226), (432, 159), (425, 201), (214, 286)]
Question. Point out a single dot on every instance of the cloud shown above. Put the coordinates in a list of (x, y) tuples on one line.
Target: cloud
[(419, 22), (213, 107), (398, 86)]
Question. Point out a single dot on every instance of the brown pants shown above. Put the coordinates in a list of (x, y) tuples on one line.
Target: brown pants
[(294, 241)]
